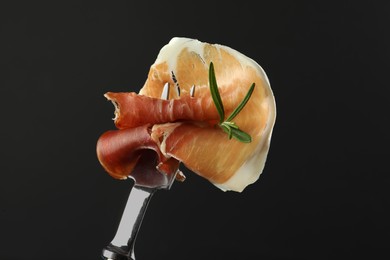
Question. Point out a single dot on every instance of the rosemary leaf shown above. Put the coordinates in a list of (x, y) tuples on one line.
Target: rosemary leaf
[(242, 104), (215, 93), (241, 135)]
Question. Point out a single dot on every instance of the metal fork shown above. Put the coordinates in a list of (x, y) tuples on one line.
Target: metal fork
[(146, 183), (122, 246)]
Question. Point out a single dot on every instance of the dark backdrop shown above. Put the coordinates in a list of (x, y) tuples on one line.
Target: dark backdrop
[(324, 193)]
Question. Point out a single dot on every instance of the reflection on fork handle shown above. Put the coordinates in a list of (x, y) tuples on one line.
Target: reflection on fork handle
[(122, 246)]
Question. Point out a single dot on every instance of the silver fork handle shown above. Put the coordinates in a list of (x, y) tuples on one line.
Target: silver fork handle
[(122, 246)]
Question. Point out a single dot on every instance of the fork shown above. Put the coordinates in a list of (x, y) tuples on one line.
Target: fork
[(122, 246), (146, 183)]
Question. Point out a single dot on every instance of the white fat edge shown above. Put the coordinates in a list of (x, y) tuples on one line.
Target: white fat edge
[(170, 52)]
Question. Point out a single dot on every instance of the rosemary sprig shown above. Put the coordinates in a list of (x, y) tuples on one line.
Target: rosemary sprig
[(228, 126), (215, 93)]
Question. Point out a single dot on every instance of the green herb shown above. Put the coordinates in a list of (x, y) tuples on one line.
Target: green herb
[(215, 93), (228, 126)]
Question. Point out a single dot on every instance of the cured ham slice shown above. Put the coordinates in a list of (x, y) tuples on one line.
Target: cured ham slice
[(140, 110), (185, 128), (122, 151)]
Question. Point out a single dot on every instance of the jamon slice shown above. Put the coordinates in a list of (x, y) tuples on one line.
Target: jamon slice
[(139, 110), (120, 151), (185, 128)]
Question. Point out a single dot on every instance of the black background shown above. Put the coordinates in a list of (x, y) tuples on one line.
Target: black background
[(324, 193)]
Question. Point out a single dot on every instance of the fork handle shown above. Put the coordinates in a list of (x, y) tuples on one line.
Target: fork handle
[(122, 246)]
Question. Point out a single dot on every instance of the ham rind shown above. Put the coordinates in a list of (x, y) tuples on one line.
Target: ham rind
[(132, 110), (119, 151)]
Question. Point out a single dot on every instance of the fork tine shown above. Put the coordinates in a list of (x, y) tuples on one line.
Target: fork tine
[(165, 92), (192, 91), (177, 88)]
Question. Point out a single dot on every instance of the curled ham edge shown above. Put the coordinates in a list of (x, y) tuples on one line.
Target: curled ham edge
[(144, 123), (128, 151)]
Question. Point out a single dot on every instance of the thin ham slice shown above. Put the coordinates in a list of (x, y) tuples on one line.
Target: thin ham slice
[(183, 128), (132, 109), (119, 151)]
